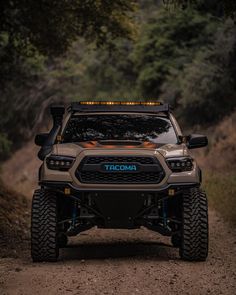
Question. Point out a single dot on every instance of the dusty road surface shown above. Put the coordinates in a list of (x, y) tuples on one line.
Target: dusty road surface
[(126, 262)]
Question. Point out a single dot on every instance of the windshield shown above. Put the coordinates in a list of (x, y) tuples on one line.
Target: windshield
[(136, 127)]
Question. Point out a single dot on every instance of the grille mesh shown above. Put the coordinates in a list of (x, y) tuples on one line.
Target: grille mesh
[(114, 177), (98, 177)]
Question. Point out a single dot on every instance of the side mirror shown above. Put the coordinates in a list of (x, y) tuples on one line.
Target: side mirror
[(41, 138), (195, 141)]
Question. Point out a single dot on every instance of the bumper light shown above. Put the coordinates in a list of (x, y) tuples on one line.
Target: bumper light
[(180, 164), (61, 163)]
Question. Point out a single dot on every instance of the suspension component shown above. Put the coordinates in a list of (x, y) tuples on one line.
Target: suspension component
[(164, 212)]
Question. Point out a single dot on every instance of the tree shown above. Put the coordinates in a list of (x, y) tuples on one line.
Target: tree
[(207, 85), (29, 28), (34, 32), (51, 26), (212, 6), (166, 44)]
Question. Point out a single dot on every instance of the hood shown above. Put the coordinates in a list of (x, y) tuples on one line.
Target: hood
[(122, 144), (166, 150)]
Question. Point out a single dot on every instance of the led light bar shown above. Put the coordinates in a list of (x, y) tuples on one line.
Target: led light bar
[(134, 103), (119, 106)]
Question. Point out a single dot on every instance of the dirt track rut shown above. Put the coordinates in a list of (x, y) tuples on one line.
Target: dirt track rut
[(126, 262)]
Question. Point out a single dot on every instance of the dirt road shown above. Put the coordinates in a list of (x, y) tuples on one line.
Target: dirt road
[(126, 262)]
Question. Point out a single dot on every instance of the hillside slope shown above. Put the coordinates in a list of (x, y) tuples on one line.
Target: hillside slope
[(20, 172), (14, 222)]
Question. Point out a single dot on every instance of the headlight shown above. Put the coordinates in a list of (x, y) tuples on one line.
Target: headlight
[(180, 164), (62, 163)]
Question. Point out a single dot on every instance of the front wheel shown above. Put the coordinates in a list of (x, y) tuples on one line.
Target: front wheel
[(194, 237), (44, 242)]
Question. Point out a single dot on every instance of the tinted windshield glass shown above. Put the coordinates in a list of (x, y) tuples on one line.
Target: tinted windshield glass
[(120, 127)]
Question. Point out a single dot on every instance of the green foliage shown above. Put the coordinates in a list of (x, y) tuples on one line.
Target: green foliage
[(85, 73), (51, 26), (213, 6), (208, 83), (32, 28), (31, 32), (5, 147), (188, 59), (167, 44), (110, 74)]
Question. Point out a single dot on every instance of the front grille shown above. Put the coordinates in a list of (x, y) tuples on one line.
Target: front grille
[(96, 176)]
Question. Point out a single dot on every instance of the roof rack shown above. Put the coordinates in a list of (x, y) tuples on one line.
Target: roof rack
[(118, 106)]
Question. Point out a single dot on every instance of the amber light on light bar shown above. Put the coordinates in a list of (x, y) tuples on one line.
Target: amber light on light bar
[(150, 103)]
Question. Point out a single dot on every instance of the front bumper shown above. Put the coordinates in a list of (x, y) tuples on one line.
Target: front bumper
[(61, 186)]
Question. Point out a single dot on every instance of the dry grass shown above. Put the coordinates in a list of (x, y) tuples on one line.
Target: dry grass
[(221, 191), (220, 155), (218, 163)]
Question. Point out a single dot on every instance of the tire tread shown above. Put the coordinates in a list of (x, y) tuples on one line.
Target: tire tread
[(44, 246), (194, 242)]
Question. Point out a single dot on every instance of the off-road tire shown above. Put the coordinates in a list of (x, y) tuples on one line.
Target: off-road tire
[(44, 245), (194, 238)]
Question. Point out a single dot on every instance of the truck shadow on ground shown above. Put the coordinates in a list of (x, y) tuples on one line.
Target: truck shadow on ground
[(112, 250)]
